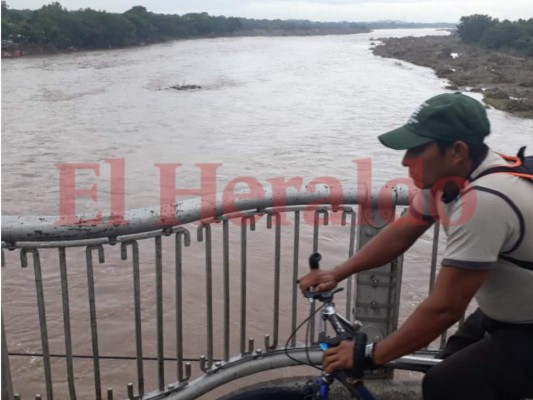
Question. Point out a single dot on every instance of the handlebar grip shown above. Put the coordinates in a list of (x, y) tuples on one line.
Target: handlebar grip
[(314, 260)]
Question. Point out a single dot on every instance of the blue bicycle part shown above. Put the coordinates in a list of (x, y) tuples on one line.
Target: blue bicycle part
[(323, 390)]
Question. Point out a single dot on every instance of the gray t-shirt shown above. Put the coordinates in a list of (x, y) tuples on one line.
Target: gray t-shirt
[(492, 215)]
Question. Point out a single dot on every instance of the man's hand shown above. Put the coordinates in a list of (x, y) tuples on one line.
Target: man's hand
[(319, 279), (339, 357)]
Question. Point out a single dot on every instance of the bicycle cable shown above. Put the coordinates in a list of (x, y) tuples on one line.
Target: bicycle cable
[(293, 334)]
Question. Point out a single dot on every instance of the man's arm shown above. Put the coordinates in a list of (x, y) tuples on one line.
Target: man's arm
[(454, 289), (472, 248), (391, 242), (452, 293)]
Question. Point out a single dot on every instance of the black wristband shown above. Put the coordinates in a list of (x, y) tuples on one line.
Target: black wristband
[(369, 356), (359, 347)]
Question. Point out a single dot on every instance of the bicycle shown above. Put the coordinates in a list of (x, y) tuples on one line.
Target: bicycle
[(318, 388)]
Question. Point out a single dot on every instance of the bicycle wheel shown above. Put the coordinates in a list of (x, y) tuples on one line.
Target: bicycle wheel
[(270, 393)]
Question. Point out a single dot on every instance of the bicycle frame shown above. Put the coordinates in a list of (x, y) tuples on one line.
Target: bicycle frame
[(346, 331)]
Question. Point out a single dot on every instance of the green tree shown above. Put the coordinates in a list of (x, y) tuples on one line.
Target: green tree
[(501, 35), (198, 23), (166, 26), (472, 27), (233, 24), (141, 19)]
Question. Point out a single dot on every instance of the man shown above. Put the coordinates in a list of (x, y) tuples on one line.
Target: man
[(489, 226)]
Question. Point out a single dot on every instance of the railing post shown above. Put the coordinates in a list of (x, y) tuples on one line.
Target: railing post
[(42, 315), (137, 308), (185, 234), (92, 314), (7, 387), (377, 290), (208, 363)]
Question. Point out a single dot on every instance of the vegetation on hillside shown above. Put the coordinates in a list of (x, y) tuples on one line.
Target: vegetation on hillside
[(54, 27), (89, 29), (494, 34), (86, 28)]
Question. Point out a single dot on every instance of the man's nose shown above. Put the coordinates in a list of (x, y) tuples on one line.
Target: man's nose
[(411, 160), (407, 159)]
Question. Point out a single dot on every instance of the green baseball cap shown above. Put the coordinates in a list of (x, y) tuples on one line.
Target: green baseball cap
[(448, 117)]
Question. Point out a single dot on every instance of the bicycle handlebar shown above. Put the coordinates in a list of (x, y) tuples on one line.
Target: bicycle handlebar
[(314, 260), (325, 297)]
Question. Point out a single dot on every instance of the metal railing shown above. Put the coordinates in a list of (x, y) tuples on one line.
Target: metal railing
[(195, 308)]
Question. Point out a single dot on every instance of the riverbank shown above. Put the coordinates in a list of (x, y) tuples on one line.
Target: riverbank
[(31, 49), (505, 80)]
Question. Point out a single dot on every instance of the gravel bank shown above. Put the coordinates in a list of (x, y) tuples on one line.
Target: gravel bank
[(506, 81)]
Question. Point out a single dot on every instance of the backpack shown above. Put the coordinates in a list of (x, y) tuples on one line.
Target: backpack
[(522, 167)]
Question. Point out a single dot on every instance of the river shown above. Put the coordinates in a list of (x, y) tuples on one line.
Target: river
[(268, 107), (291, 106)]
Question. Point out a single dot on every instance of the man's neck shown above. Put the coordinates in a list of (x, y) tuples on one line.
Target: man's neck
[(458, 180)]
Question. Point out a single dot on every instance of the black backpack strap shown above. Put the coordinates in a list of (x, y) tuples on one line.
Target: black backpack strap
[(512, 205), (494, 170), (521, 154), (524, 166), (522, 227), (521, 263)]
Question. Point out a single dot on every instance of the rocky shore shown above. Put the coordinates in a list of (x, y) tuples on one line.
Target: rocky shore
[(505, 80)]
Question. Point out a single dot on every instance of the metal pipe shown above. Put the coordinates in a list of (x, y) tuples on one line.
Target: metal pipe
[(7, 386), (351, 247), (241, 368), (92, 315), (318, 211), (131, 396), (295, 260), (159, 311), (316, 224), (225, 256), (42, 317), (181, 232), (66, 322), (208, 288), (137, 306), (277, 264), (45, 228), (244, 242)]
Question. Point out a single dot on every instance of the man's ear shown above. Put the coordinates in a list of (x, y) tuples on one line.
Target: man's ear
[(460, 151)]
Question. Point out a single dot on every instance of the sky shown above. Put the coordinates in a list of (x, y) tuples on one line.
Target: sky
[(315, 10)]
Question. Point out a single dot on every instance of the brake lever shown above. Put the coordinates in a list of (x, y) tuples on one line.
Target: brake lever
[(322, 296)]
